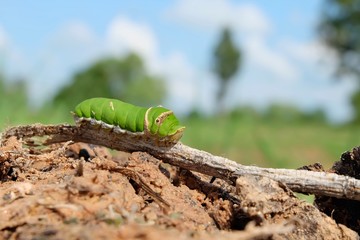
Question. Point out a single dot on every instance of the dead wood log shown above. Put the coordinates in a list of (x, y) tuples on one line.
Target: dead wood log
[(318, 183)]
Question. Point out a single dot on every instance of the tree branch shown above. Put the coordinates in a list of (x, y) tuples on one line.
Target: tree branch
[(318, 183)]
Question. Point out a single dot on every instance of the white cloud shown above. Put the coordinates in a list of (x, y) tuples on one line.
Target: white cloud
[(274, 70), (266, 59), (66, 51), (74, 46), (181, 85), (328, 95), (188, 87), (3, 38), (73, 39), (78, 32), (12, 61), (249, 23), (315, 87), (124, 35), (318, 63), (215, 14), (311, 52)]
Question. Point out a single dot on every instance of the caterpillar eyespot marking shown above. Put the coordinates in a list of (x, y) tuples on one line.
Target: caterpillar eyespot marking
[(158, 124)]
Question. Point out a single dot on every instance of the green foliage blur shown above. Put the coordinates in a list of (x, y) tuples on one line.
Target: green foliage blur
[(13, 101), (227, 60), (340, 30), (122, 78)]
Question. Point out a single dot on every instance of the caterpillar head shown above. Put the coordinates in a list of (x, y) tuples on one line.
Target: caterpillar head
[(163, 123)]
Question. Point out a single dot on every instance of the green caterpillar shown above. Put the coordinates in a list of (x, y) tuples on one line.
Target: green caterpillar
[(157, 123)]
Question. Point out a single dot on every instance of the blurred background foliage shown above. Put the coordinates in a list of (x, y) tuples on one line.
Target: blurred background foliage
[(340, 30), (279, 136), (123, 78), (227, 60)]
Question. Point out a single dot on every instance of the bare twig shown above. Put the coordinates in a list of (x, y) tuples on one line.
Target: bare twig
[(319, 183)]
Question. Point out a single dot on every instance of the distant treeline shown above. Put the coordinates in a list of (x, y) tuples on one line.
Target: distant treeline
[(274, 113)]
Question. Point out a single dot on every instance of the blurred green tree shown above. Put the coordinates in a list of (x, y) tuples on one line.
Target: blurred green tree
[(227, 59), (340, 30), (123, 78)]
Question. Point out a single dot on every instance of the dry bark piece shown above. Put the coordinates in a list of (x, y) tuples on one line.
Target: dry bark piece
[(319, 183), (316, 167), (344, 211)]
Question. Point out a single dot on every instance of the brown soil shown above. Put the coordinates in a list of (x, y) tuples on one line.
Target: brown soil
[(53, 193)]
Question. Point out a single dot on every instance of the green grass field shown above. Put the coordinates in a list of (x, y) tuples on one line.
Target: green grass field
[(271, 144)]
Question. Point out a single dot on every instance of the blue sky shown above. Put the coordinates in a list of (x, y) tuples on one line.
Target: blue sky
[(284, 62)]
